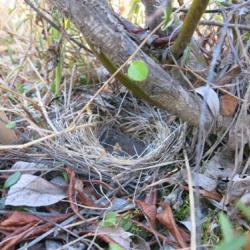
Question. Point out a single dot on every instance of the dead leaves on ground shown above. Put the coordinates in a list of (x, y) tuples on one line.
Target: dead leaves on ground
[(20, 226), (72, 195), (166, 218)]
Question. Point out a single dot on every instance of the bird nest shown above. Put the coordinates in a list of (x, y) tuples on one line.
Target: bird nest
[(125, 138)]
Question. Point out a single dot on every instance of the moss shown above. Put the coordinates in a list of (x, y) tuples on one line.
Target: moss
[(208, 236), (127, 224), (184, 210)]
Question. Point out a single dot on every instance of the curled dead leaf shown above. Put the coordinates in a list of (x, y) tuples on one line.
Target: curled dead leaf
[(166, 218)]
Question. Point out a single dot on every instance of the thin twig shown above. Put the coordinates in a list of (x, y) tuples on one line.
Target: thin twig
[(44, 138), (230, 25), (192, 203), (56, 26), (112, 77)]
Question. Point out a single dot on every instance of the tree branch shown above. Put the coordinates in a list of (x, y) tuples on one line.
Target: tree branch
[(190, 23), (101, 29)]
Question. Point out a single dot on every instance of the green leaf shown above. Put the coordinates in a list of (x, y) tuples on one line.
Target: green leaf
[(65, 176), (226, 227), (245, 210), (138, 71), (12, 179), (20, 88), (167, 17), (235, 243), (114, 246), (10, 125), (109, 220)]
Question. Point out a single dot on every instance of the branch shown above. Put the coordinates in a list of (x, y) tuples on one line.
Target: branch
[(230, 25), (190, 23), (56, 26), (113, 46)]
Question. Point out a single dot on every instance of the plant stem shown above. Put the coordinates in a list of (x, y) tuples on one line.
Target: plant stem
[(190, 23)]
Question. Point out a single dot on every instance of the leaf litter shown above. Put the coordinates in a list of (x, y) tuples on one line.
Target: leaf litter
[(129, 161)]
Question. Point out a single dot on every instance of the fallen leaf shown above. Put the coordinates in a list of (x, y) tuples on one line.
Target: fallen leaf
[(165, 239), (25, 226), (201, 180), (33, 191), (210, 195), (118, 235), (85, 200), (12, 179), (120, 204), (149, 211), (148, 207), (112, 235), (211, 98), (166, 218), (72, 191), (19, 219), (31, 167), (228, 105), (7, 135)]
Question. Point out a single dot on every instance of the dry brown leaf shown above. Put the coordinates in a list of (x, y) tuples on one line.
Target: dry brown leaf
[(85, 200), (25, 226), (7, 136), (166, 218), (228, 104), (149, 211), (18, 219), (148, 207), (210, 195), (72, 191)]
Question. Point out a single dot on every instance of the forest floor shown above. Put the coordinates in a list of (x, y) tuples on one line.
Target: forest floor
[(87, 169)]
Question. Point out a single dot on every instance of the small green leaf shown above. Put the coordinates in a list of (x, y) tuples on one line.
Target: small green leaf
[(12, 179), (235, 243), (20, 88), (10, 125), (114, 246), (226, 227), (167, 17), (65, 176), (109, 220), (138, 71)]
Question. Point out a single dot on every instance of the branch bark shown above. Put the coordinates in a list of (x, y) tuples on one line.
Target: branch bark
[(113, 46), (191, 21)]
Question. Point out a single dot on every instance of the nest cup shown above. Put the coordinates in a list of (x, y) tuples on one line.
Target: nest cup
[(129, 138)]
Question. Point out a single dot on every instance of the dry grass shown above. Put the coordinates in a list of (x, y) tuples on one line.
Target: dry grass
[(29, 52)]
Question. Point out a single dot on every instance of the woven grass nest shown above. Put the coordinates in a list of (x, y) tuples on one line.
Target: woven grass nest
[(129, 138)]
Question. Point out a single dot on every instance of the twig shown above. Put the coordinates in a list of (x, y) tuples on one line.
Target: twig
[(188, 27), (61, 226), (5, 89), (192, 203), (112, 77), (28, 144), (45, 113), (56, 26), (230, 25)]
